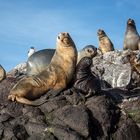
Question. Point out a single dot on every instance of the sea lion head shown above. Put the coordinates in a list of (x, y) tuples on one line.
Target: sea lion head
[(101, 33), (90, 50), (65, 40), (84, 63), (130, 22)]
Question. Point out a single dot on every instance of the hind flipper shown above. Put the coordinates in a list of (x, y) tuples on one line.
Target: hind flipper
[(29, 102)]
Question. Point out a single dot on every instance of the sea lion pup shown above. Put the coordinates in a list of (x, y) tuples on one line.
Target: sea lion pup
[(52, 80), (85, 81), (2, 73), (41, 59), (105, 44), (131, 38)]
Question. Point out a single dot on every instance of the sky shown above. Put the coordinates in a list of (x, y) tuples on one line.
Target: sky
[(26, 23)]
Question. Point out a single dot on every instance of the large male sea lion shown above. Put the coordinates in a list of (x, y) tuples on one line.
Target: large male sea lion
[(105, 44), (131, 38), (38, 61), (52, 80)]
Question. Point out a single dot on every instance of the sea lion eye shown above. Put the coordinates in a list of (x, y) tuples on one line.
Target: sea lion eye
[(58, 37), (89, 51)]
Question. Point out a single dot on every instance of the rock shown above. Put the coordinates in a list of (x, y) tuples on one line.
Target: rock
[(74, 117), (112, 114), (33, 114), (104, 116), (35, 128), (64, 133), (20, 132), (127, 129), (4, 117), (56, 103), (112, 68), (132, 108), (18, 70)]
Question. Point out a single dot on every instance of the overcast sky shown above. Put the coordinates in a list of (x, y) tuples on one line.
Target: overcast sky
[(26, 23)]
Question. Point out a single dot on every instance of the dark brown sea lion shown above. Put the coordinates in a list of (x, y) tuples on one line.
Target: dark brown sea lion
[(105, 44), (131, 38), (85, 81), (52, 80), (38, 61)]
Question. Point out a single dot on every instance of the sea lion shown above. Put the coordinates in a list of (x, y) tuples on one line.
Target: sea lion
[(52, 80), (131, 38), (85, 82), (87, 51), (105, 44), (41, 59), (38, 62), (31, 51), (2, 73)]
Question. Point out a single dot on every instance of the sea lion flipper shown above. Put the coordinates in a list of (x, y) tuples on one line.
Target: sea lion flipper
[(29, 102), (40, 101)]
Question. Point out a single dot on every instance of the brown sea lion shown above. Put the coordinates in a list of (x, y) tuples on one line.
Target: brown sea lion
[(105, 44), (131, 38), (38, 61), (52, 80), (2, 73)]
